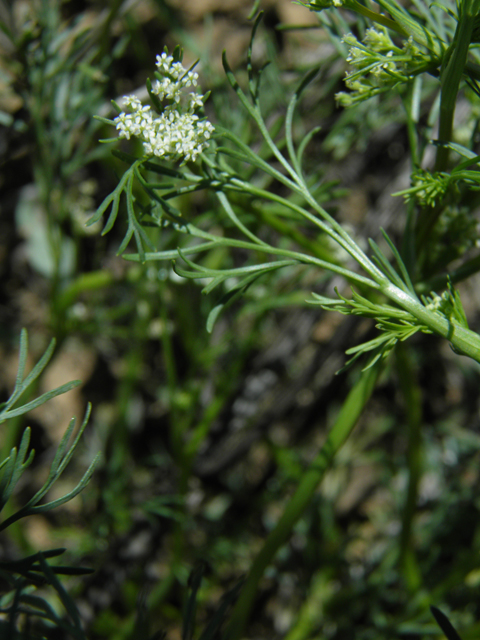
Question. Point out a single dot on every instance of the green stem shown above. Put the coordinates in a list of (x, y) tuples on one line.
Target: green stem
[(413, 410), (453, 68), (241, 244), (177, 426), (328, 225), (346, 420), (296, 183), (464, 341), (296, 234)]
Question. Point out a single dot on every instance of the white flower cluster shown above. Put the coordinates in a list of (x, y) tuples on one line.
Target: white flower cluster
[(178, 132)]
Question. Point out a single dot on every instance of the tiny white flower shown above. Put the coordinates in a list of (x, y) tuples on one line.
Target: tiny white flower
[(195, 101), (177, 70), (132, 102), (163, 62)]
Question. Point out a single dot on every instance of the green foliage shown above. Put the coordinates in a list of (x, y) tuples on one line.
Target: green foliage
[(57, 67), (396, 325), (257, 217), (215, 173), (254, 184), (21, 384), (23, 575)]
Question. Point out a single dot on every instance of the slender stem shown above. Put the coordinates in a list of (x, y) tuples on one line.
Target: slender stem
[(296, 234), (242, 244), (297, 184), (454, 65), (344, 424), (275, 150), (233, 217), (413, 410), (337, 233)]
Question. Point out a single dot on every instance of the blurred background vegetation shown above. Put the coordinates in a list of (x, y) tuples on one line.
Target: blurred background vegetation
[(204, 437)]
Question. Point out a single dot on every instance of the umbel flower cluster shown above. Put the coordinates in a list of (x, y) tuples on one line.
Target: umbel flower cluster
[(378, 65), (174, 130)]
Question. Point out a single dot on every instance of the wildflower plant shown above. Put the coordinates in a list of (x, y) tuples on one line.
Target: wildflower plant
[(399, 286), (394, 282)]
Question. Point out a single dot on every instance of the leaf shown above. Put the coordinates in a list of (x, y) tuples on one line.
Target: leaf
[(194, 582), (459, 148), (228, 299), (401, 264), (67, 601), (22, 358), (67, 497), (198, 271), (9, 464), (112, 199), (385, 265), (172, 254), (33, 404), (16, 464), (22, 385), (106, 121), (21, 463), (30, 560), (295, 158), (211, 631), (444, 624), (253, 82), (30, 569), (62, 458), (413, 28), (233, 217)]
